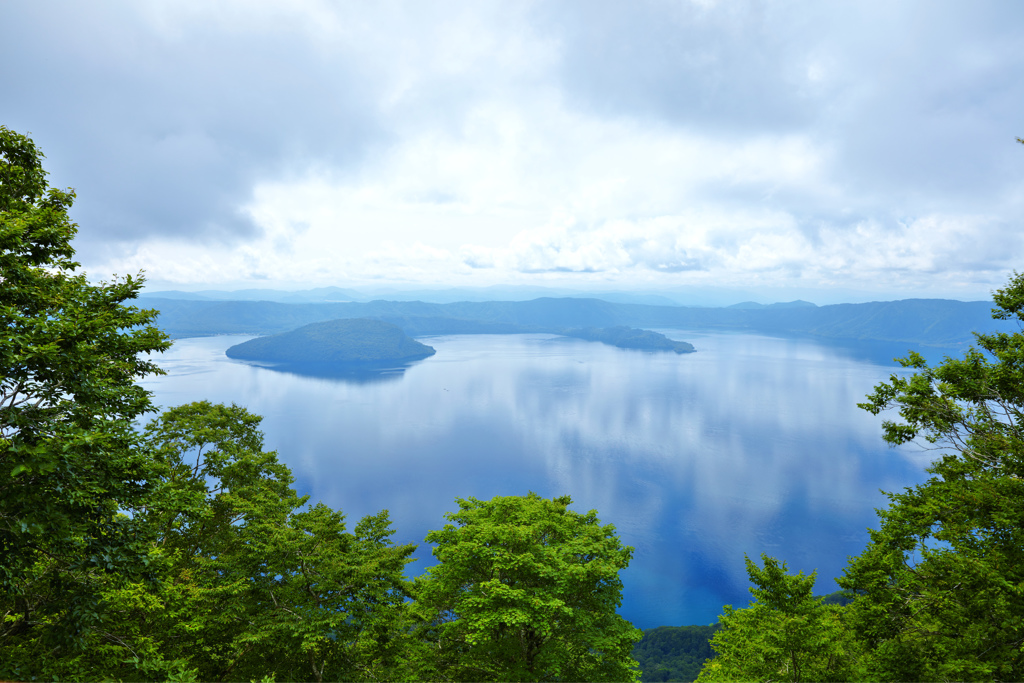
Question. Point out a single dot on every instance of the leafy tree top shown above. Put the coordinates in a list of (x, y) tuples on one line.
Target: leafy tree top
[(527, 589), (70, 355)]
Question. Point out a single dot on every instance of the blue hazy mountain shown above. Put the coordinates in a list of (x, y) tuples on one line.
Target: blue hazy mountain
[(935, 322), (799, 303), (351, 341)]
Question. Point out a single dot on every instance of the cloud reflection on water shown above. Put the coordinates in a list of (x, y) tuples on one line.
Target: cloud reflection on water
[(750, 445)]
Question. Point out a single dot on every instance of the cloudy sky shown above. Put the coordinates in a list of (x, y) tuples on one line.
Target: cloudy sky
[(827, 150)]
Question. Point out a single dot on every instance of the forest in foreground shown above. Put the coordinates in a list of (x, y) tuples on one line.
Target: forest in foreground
[(180, 551)]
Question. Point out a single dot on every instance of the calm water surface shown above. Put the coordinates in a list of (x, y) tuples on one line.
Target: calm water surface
[(751, 445)]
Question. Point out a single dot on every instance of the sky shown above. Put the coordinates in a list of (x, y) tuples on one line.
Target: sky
[(830, 151)]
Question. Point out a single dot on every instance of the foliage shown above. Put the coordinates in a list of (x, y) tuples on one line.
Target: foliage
[(526, 589), (674, 653), (677, 653), (785, 635), (70, 353), (252, 582), (838, 598), (942, 579)]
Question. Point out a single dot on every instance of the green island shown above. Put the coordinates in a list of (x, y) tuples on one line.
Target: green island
[(371, 343), (628, 338), (356, 341), (178, 549)]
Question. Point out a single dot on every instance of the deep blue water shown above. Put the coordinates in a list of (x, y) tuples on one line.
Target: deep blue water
[(752, 444)]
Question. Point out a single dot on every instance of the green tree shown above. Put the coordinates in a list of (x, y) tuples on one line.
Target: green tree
[(787, 634), (70, 354), (674, 653), (526, 590), (252, 581), (941, 583)]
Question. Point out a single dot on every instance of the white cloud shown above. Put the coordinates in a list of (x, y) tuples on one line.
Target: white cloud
[(655, 145), (533, 189)]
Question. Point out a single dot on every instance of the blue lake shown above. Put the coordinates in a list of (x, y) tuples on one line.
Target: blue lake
[(753, 444)]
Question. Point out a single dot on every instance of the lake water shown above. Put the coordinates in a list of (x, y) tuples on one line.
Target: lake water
[(752, 444)]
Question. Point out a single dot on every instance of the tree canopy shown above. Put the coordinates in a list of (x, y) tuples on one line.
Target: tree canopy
[(941, 584), (526, 590), (673, 653), (70, 354), (254, 581), (786, 634)]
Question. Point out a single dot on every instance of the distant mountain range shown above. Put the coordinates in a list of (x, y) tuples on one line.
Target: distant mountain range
[(787, 304), (933, 322)]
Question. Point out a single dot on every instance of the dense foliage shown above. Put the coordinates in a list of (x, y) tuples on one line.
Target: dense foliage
[(526, 590), (785, 634), (673, 653), (70, 353), (941, 584)]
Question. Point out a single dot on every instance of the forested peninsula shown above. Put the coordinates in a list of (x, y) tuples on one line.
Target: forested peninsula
[(368, 342), (358, 342)]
